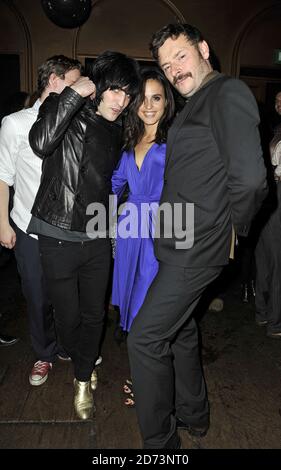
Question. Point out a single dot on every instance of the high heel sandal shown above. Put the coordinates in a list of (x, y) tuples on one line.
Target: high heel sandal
[(128, 390)]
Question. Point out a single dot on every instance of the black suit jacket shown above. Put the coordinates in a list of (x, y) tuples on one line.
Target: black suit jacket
[(214, 163)]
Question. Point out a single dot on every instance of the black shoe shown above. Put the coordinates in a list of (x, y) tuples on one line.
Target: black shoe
[(261, 319), (276, 335), (173, 443), (6, 340), (195, 431)]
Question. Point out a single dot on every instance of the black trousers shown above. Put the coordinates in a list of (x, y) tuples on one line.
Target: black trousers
[(164, 355), (268, 278), (77, 275), (40, 312), (247, 257)]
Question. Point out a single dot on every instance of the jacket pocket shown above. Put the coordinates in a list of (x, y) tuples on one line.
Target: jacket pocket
[(46, 191)]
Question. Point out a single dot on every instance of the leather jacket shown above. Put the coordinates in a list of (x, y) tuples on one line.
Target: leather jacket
[(80, 150)]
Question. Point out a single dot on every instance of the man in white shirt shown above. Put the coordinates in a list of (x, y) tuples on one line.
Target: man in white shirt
[(19, 167)]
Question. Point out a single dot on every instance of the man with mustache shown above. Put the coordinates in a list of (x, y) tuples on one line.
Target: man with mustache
[(213, 164)]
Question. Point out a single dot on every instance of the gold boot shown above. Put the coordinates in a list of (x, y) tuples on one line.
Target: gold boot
[(83, 399), (94, 380)]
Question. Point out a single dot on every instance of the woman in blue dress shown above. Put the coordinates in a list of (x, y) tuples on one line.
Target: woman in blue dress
[(141, 168)]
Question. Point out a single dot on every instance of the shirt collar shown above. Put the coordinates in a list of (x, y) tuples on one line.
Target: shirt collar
[(37, 105)]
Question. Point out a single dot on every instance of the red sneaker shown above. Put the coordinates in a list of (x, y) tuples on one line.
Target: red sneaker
[(39, 373)]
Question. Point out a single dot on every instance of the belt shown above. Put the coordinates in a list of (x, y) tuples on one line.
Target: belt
[(139, 198)]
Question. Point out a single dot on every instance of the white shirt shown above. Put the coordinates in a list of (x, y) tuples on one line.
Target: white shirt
[(19, 166), (275, 153), (276, 159)]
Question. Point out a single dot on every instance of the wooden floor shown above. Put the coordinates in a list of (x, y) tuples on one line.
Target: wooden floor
[(242, 368)]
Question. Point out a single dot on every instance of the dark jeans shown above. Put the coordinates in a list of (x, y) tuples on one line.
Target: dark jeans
[(247, 247), (40, 312), (268, 280), (77, 275), (164, 354)]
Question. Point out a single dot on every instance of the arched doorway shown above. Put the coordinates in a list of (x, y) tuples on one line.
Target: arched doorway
[(15, 52), (253, 56)]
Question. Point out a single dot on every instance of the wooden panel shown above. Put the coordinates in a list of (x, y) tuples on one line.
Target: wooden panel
[(42, 436)]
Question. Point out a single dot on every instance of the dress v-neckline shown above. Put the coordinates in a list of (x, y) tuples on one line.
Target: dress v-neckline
[(144, 158)]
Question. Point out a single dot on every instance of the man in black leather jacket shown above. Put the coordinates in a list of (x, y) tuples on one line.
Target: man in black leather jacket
[(80, 143)]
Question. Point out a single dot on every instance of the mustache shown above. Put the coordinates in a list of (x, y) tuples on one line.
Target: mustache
[(182, 77)]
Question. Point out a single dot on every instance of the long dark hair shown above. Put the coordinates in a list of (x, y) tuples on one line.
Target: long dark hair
[(133, 125)]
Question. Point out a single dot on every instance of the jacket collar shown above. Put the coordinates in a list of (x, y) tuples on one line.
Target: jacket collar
[(210, 77)]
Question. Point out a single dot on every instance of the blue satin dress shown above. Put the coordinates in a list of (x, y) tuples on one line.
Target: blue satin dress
[(135, 264)]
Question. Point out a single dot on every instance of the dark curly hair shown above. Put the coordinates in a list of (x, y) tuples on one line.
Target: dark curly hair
[(191, 33)]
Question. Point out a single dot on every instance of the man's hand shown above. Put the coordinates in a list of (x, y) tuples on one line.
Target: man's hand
[(85, 87), (7, 236)]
